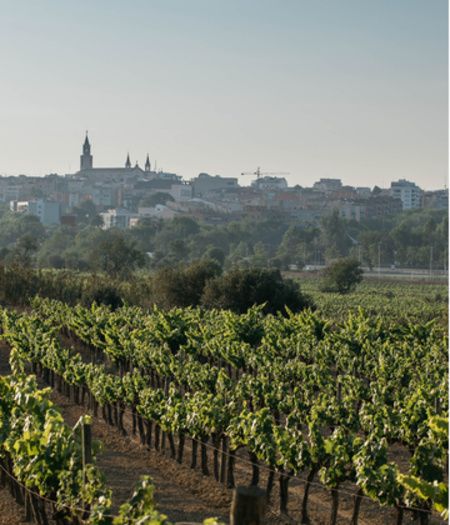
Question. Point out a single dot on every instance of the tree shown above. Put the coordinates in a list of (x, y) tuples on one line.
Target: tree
[(334, 236), (15, 225), (177, 229), (239, 255), (297, 246), (342, 276), (159, 197), (216, 254), (24, 250), (51, 251), (86, 213), (260, 256), (101, 293), (116, 255), (144, 233), (180, 286), (239, 289)]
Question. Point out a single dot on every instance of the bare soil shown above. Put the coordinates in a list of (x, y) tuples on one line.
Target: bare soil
[(10, 512)]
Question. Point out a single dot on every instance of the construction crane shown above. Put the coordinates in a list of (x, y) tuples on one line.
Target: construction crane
[(260, 173)]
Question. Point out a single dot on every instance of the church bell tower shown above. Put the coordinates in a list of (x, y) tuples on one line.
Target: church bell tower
[(147, 164), (86, 157)]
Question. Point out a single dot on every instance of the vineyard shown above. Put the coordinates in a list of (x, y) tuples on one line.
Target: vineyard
[(355, 403), (399, 301)]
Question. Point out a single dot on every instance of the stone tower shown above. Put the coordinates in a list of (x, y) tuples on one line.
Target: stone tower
[(128, 162), (147, 164), (86, 157)]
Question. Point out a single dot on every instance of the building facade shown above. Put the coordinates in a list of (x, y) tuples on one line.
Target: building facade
[(48, 212), (408, 193)]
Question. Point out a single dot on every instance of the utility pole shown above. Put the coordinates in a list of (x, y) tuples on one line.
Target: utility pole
[(379, 260)]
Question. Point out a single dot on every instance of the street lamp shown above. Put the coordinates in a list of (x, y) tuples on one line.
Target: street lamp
[(431, 260)]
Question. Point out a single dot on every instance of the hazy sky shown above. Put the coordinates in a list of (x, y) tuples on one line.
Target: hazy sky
[(355, 89)]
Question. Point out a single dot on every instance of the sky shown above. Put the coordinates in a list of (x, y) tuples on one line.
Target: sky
[(350, 89)]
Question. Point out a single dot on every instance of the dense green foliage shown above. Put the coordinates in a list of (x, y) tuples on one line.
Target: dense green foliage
[(430, 461), (300, 394), (342, 276), (393, 300), (410, 239), (238, 290), (200, 283), (46, 457), (183, 285)]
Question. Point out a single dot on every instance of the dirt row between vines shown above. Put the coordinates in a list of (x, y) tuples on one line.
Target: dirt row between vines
[(10, 512), (182, 495)]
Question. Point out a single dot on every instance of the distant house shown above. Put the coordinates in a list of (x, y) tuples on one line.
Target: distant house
[(48, 212), (437, 200), (117, 218), (408, 193), (328, 185), (270, 183), (160, 211), (363, 192), (204, 184), (352, 211)]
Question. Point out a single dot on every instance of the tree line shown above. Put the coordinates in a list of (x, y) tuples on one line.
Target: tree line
[(416, 239), (202, 283)]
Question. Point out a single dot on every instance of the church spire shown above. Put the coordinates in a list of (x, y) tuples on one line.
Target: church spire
[(86, 157), (147, 164), (86, 141), (128, 162)]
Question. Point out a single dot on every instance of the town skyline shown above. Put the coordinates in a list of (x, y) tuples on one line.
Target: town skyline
[(243, 178), (356, 90)]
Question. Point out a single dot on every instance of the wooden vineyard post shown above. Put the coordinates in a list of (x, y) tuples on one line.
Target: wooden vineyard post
[(247, 506), (86, 436), (86, 453)]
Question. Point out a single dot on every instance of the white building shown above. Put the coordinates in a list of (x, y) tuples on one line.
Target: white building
[(204, 184), (408, 192), (270, 183), (437, 200), (328, 185), (363, 192), (160, 211), (117, 218), (180, 192), (48, 212), (352, 211)]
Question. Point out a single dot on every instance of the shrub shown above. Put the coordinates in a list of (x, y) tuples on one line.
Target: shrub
[(183, 286), (342, 276), (101, 293), (239, 289)]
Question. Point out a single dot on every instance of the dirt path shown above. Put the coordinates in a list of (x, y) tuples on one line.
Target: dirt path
[(10, 512), (180, 493)]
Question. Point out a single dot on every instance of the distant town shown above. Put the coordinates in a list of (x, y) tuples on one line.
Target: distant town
[(125, 195)]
